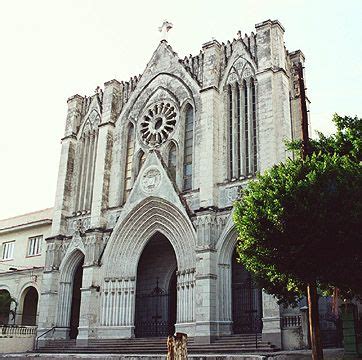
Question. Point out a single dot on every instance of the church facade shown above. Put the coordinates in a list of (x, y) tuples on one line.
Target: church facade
[(143, 241)]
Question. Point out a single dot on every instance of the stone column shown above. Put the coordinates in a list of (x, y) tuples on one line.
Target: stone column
[(49, 287), (102, 174), (117, 308), (296, 57), (63, 199), (90, 290), (208, 229), (206, 278), (271, 320), (273, 106), (224, 300), (209, 154), (102, 179), (185, 318)]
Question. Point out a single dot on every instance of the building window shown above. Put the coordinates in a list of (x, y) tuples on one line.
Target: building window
[(129, 162), (34, 245), (86, 159), (141, 160), (189, 138), (246, 127), (230, 129), (8, 250), (172, 160), (255, 152), (238, 126)]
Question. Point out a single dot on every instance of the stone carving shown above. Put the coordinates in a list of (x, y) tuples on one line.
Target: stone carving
[(229, 194), (209, 227), (151, 180), (80, 224), (158, 123), (247, 72), (92, 121)]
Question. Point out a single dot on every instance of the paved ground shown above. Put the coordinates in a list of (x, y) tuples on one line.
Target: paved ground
[(329, 354)]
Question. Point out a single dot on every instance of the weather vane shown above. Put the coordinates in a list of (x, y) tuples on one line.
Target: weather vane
[(164, 29)]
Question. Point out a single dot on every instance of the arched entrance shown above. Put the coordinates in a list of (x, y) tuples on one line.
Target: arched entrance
[(155, 313), (70, 283), (30, 306), (246, 301), (5, 304), (76, 295)]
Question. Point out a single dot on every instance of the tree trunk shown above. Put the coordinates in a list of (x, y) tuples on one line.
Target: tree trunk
[(317, 351)]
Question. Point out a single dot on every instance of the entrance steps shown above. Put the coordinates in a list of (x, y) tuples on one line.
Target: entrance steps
[(235, 344)]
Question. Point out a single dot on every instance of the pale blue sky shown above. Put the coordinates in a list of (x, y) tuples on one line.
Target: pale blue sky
[(51, 50)]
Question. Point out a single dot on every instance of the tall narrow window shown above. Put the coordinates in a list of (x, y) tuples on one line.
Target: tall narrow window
[(8, 250), (230, 130), (172, 160), (141, 160), (246, 127), (238, 129), (34, 245), (188, 147), (86, 155), (255, 153), (129, 162)]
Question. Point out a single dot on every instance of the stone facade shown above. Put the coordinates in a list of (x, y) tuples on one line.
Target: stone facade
[(159, 158)]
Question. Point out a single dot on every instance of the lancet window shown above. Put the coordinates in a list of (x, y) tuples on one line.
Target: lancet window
[(129, 162), (188, 147), (242, 128), (141, 160), (172, 160), (86, 154)]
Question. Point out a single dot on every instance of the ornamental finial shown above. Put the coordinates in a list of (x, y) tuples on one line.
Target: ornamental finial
[(164, 29)]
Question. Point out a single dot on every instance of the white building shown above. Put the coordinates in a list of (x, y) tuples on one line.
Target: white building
[(142, 238), (22, 259)]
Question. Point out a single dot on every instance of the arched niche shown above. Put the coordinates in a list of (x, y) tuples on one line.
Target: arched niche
[(29, 306)]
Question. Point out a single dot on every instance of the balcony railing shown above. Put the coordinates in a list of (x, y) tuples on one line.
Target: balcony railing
[(12, 331)]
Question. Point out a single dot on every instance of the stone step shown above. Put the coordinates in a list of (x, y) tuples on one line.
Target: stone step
[(224, 345)]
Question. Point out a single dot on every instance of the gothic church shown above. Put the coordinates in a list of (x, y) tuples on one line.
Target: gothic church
[(142, 240)]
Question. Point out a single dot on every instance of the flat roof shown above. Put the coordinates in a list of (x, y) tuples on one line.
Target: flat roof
[(26, 219)]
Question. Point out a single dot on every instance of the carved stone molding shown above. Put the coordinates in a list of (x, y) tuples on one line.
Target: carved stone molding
[(209, 227), (151, 179)]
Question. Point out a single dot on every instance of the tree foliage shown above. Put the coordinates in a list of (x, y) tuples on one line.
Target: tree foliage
[(5, 307), (347, 141), (300, 221)]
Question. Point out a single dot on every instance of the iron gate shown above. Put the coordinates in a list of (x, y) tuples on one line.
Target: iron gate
[(330, 324), (247, 316), (153, 314)]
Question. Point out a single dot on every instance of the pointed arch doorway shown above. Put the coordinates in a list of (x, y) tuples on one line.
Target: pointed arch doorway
[(246, 300), (156, 294), (76, 297), (69, 299)]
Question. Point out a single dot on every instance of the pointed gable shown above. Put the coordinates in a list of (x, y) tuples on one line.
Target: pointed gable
[(153, 180)]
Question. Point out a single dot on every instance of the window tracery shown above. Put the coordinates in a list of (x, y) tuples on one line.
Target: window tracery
[(172, 160), (242, 125), (86, 153), (129, 162), (188, 147), (158, 123)]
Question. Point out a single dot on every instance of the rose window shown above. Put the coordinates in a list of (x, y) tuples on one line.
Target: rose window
[(158, 123)]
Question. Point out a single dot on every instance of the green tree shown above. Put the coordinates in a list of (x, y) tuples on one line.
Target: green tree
[(5, 307), (346, 141), (299, 223)]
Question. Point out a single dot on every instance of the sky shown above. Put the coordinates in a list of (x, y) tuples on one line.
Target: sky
[(51, 50)]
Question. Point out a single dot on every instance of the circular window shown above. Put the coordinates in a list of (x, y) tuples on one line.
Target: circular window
[(158, 123)]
